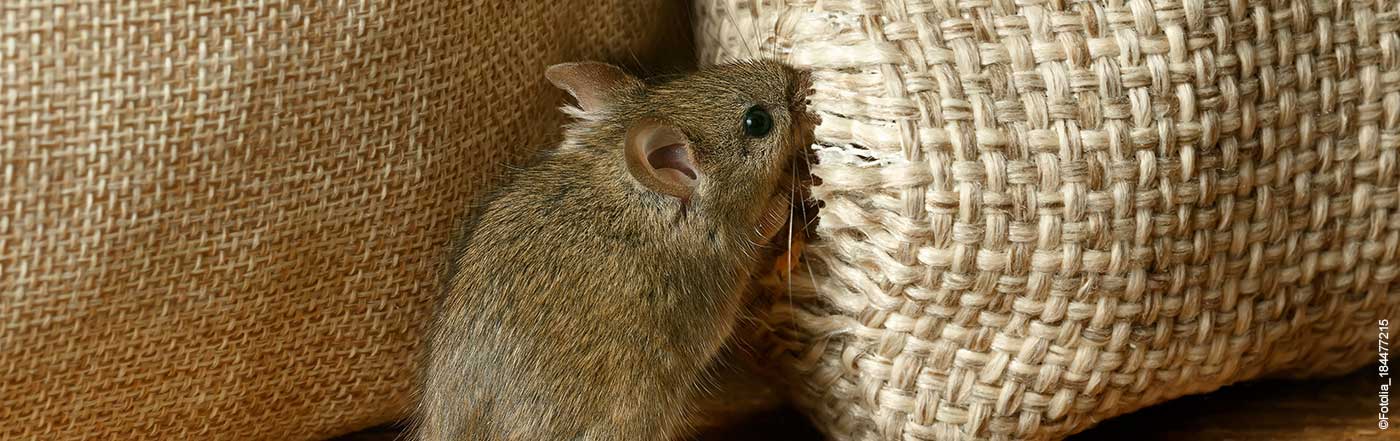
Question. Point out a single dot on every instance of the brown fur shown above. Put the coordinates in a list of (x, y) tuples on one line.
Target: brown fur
[(584, 306)]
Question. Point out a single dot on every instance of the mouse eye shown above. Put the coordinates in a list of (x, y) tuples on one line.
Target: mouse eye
[(757, 122)]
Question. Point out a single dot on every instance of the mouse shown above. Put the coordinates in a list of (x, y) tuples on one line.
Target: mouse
[(594, 293)]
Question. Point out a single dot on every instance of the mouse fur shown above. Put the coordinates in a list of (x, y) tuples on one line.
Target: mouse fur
[(583, 305)]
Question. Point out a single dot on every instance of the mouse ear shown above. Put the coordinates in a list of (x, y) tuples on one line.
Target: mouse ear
[(590, 82), (659, 156)]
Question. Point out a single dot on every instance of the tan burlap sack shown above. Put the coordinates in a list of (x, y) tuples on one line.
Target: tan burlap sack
[(1038, 215), (222, 220)]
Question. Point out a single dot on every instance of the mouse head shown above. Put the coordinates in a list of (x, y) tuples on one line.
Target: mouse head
[(719, 143)]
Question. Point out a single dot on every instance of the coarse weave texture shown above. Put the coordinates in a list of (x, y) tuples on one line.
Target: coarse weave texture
[(222, 220), (1040, 214)]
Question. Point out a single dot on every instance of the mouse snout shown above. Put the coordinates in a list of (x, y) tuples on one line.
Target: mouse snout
[(801, 92), (804, 121)]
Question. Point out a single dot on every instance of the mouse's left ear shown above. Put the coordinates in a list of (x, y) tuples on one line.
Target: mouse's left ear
[(590, 82), (659, 156)]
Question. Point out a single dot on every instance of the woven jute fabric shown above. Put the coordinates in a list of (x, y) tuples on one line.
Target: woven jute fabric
[(1040, 214), (222, 220)]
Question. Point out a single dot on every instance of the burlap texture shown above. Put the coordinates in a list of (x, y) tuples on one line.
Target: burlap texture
[(1037, 215), (222, 220)]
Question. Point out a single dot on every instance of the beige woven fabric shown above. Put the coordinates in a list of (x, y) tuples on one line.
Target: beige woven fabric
[(221, 220), (1038, 215)]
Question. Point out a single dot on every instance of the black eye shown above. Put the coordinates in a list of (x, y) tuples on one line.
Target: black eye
[(757, 122)]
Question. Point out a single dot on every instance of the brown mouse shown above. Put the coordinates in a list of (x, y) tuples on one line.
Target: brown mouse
[(596, 289)]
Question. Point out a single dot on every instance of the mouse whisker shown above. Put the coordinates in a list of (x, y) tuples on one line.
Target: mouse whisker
[(729, 15), (806, 223), (640, 65), (768, 37), (792, 196), (759, 37), (715, 36)]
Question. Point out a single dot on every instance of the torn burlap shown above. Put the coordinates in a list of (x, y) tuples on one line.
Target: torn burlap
[(222, 220), (1038, 215)]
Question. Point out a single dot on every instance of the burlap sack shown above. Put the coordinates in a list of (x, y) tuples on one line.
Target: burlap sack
[(1038, 215), (222, 220)]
